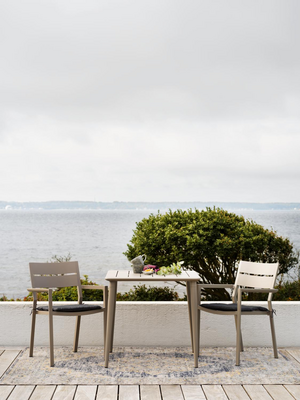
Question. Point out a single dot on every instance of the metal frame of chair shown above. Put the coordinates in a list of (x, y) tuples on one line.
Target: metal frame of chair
[(46, 277), (252, 277)]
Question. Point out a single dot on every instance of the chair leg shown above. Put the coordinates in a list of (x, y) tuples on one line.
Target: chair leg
[(32, 333), (273, 335), (76, 338), (51, 339), (114, 289), (238, 339), (104, 325), (241, 343), (199, 316)]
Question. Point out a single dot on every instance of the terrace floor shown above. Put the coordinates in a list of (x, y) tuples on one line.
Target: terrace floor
[(170, 375)]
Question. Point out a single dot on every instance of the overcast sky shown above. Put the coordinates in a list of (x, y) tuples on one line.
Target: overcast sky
[(159, 100)]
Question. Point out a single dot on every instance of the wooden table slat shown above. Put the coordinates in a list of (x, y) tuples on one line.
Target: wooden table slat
[(171, 392), (107, 392), (122, 275), (150, 392), (111, 274), (128, 275)]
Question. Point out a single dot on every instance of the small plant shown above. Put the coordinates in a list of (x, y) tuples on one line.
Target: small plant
[(174, 268)]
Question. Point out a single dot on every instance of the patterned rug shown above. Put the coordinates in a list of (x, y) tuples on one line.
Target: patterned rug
[(142, 365)]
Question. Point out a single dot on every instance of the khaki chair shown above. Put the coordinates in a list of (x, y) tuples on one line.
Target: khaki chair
[(47, 276), (251, 277)]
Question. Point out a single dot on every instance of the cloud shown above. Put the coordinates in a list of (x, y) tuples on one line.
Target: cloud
[(128, 100)]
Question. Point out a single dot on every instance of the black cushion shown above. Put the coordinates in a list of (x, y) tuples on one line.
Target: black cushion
[(71, 308), (232, 307)]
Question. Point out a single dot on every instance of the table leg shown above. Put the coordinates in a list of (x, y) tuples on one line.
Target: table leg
[(110, 320), (188, 294), (114, 318), (195, 326)]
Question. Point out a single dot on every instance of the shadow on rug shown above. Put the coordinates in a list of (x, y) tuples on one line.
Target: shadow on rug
[(146, 365)]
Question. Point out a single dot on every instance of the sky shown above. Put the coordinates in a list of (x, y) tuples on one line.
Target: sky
[(150, 100)]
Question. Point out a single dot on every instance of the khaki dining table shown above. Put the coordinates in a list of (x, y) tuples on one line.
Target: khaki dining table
[(189, 277)]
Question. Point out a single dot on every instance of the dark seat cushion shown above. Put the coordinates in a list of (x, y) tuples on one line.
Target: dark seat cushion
[(232, 307), (71, 308)]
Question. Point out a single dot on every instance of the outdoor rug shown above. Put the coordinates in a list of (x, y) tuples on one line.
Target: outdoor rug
[(146, 365)]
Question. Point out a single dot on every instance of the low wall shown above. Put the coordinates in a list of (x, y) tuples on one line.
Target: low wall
[(150, 324)]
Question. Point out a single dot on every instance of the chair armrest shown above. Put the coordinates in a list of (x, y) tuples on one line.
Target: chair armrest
[(215, 285), (38, 290), (258, 290), (94, 287)]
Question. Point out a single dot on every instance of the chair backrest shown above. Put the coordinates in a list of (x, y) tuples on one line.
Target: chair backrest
[(55, 275), (256, 275)]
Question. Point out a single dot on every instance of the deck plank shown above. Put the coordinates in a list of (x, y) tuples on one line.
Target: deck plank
[(43, 392), (150, 392), (278, 392), (6, 358), (294, 390), (171, 392), (235, 392), (257, 392), (193, 392), (21, 392), (294, 352), (127, 392), (5, 390), (214, 392), (85, 392), (64, 392), (107, 392)]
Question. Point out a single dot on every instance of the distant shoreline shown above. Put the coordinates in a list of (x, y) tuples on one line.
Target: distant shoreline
[(120, 205)]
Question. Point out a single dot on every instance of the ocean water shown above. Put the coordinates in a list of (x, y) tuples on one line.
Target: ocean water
[(95, 238)]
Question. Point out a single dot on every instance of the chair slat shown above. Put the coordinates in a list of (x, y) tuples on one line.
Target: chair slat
[(54, 268), (254, 281), (258, 268), (55, 281)]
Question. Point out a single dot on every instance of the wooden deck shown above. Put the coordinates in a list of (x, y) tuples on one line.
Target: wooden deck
[(140, 392), (150, 392)]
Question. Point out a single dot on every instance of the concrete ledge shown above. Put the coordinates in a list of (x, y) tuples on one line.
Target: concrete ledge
[(151, 324)]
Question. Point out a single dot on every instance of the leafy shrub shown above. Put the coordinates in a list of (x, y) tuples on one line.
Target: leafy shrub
[(211, 242), (143, 293), (70, 293)]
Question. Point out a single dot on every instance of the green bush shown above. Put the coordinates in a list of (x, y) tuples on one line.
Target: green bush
[(211, 242), (143, 293), (288, 291), (70, 293)]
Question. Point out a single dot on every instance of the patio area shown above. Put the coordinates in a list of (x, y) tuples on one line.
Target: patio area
[(149, 373)]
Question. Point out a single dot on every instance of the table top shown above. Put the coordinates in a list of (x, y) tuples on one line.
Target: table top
[(123, 275)]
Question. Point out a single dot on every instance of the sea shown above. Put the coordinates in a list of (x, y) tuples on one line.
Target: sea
[(96, 239)]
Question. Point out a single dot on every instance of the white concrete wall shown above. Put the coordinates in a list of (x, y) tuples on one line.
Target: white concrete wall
[(150, 324)]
